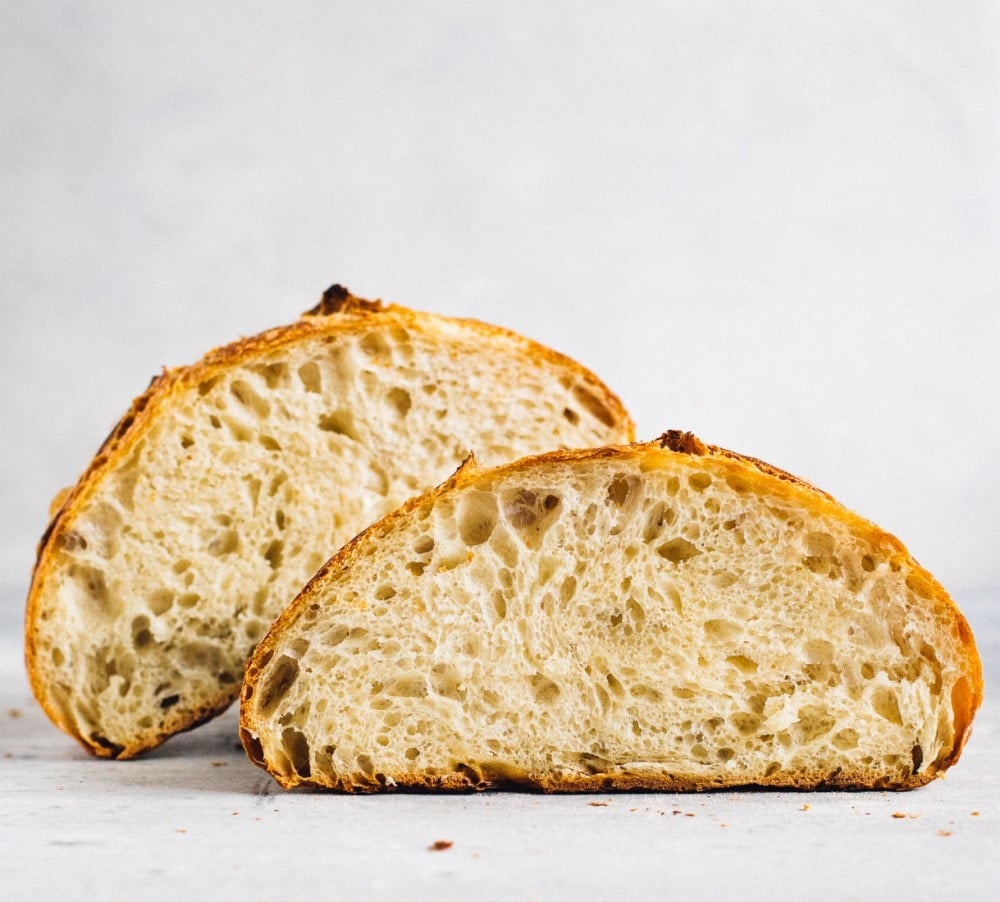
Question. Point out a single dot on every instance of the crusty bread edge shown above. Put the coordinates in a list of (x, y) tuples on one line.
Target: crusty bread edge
[(338, 312), (676, 444)]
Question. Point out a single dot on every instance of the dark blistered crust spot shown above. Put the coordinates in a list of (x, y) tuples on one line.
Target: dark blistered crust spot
[(338, 299), (683, 442)]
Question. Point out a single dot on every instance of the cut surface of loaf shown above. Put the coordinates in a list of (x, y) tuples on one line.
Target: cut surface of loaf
[(229, 482), (665, 616)]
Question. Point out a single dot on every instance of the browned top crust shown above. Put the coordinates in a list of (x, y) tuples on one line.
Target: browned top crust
[(689, 443)]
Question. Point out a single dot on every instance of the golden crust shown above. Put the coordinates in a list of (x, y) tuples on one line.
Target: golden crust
[(338, 313), (674, 446)]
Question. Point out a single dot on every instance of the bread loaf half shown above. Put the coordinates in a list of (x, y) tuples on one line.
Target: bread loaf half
[(663, 616), (230, 481)]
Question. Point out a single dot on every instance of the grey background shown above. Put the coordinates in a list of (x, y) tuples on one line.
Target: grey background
[(775, 224)]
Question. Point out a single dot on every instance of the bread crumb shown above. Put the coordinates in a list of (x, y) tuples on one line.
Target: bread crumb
[(440, 845), (975, 814), (898, 814), (689, 814), (804, 808), (944, 832), (14, 713), (598, 804), (179, 830), (218, 764)]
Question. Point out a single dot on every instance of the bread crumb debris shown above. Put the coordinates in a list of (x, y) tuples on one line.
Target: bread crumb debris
[(804, 808), (944, 832), (598, 804), (440, 845)]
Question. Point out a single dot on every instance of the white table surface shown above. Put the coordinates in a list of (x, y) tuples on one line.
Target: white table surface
[(196, 820)]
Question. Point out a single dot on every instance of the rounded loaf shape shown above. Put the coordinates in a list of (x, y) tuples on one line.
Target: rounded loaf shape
[(664, 616), (231, 481)]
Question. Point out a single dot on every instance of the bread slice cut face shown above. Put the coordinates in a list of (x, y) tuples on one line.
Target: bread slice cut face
[(230, 482), (664, 616)]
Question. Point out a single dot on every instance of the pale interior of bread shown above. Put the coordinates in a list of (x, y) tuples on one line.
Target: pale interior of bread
[(171, 570), (648, 619)]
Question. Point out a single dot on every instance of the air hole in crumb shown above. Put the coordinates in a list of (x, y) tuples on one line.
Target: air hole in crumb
[(845, 739), (400, 401), (641, 690), (886, 705), (225, 543), (412, 753), (411, 686), (205, 387), (311, 377), (746, 724), (141, 636), (384, 593), (742, 663), (248, 397), (424, 545), (274, 553), (622, 489), (544, 689), (277, 681), (339, 422), (186, 441), (58, 658), (699, 481), (678, 550), (374, 344), (477, 517), (297, 749), (614, 684), (571, 415), (160, 601), (274, 374)]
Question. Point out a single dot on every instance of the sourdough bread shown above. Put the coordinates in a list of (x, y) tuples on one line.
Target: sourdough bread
[(230, 481), (664, 616)]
